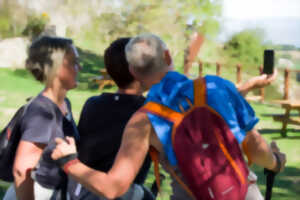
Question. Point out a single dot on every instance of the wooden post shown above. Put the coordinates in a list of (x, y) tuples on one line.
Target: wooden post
[(261, 90), (200, 72), (218, 70), (286, 84), (238, 73)]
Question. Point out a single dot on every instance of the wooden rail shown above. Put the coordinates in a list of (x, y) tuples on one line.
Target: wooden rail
[(287, 74)]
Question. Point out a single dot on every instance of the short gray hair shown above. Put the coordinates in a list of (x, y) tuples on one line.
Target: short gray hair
[(146, 54)]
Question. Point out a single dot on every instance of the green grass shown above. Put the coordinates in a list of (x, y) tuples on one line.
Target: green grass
[(16, 86), (286, 184)]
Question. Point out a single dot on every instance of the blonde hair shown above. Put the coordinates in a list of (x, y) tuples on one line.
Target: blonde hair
[(45, 55)]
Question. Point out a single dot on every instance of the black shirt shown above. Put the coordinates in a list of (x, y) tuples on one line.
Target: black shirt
[(101, 127)]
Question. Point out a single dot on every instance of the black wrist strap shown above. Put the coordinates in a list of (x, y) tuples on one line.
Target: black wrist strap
[(62, 161), (278, 163)]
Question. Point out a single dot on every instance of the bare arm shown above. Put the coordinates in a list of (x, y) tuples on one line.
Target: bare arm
[(133, 150), (256, 82), (27, 157), (261, 153)]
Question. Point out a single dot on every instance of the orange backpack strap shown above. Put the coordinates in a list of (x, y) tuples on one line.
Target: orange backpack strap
[(154, 157), (162, 111), (199, 92), (246, 151), (183, 185), (230, 159), (168, 114)]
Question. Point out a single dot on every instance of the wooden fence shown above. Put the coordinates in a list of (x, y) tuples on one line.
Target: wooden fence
[(287, 74)]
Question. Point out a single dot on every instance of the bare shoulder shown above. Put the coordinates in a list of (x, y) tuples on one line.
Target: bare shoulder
[(139, 124), (138, 128)]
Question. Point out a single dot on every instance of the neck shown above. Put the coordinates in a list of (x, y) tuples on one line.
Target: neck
[(56, 93), (154, 79), (130, 91), (133, 89)]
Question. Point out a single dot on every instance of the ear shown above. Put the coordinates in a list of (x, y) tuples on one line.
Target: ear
[(132, 72), (167, 57)]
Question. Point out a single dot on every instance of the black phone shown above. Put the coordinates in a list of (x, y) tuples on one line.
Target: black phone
[(268, 61)]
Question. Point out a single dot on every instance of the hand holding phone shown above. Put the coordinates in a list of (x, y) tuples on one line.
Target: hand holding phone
[(268, 61)]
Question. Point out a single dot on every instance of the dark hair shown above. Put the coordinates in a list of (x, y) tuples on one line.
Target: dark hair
[(40, 55), (116, 64)]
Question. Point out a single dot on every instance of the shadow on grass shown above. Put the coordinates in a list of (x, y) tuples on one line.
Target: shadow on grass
[(271, 115), (275, 131), (286, 183), (271, 131), (91, 64)]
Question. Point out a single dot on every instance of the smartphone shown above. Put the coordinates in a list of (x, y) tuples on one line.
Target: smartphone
[(268, 61)]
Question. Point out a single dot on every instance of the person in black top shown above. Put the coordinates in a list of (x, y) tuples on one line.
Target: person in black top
[(52, 61), (103, 119)]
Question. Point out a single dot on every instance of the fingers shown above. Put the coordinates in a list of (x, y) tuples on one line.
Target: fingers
[(59, 141), (281, 156), (274, 147), (54, 155), (70, 140), (63, 147), (273, 76)]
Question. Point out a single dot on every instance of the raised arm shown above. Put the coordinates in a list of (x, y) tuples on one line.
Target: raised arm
[(256, 82), (133, 150)]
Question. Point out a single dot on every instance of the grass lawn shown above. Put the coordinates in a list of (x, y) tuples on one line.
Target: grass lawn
[(16, 86)]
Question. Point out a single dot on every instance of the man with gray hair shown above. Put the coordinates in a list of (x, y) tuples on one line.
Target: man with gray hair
[(151, 64), (146, 54)]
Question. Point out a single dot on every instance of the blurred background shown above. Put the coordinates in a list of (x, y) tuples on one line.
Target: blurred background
[(234, 31)]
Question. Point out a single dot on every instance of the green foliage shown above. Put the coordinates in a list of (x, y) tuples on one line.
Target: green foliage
[(167, 19), (246, 47), (35, 25), (204, 14), (91, 65), (12, 18), (101, 22), (5, 28)]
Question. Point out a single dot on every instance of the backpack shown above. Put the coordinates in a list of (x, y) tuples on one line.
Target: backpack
[(9, 140), (208, 155)]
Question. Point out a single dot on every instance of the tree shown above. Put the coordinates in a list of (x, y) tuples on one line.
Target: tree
[(246, 47), (166, 18), (98, 23)]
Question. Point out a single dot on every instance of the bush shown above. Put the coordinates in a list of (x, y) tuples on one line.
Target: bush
[(35, 25), (246, 47), (11, 22)]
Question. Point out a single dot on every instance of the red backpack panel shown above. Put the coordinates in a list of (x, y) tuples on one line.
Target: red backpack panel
[(209, 157)]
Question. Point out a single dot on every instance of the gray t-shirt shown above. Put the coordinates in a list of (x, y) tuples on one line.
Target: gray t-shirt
[(42, 123)]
